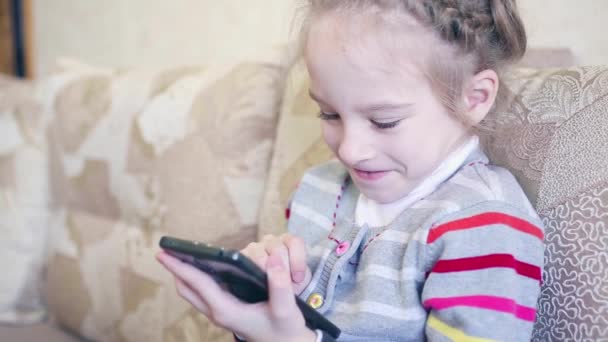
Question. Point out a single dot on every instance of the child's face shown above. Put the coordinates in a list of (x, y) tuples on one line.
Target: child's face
[(380, 116)]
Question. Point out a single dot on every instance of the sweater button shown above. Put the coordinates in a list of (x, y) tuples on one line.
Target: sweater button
[(342, 248), (315, 300)]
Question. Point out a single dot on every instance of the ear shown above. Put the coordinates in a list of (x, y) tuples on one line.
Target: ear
[(480, 94)]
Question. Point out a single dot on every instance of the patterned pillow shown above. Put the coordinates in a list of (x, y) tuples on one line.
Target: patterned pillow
[(23, 203), (553, 138), (140, 153), (551, 134)]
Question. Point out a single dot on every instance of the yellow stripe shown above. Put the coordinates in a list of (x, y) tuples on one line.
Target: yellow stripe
[(453, 333)]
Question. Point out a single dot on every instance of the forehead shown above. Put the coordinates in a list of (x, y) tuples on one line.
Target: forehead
[(366, 46), (369, 39)]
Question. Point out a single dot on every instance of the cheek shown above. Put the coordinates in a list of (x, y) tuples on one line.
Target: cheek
[(331, 135), (414, 150), (405, 153)]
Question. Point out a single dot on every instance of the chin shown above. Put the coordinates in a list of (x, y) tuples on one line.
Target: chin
[(380, 198)]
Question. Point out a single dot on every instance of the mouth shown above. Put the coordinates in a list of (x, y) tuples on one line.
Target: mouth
[(369, 175)]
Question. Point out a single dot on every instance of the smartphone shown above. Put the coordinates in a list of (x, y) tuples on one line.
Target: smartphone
[(239, 275)]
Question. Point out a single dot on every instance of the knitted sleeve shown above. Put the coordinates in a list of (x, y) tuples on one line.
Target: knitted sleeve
[(483, 275)]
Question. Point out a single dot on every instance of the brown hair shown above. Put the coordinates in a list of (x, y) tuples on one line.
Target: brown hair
[(480, 35)]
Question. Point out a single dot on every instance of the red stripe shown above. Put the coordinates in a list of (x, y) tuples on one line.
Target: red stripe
[(484, 220), (488, 261), (501, 304)]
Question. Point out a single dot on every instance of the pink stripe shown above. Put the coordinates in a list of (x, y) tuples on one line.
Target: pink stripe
[(485, 302)]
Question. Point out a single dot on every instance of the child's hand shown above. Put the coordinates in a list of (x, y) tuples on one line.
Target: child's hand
[(292, 251), (278, 319)]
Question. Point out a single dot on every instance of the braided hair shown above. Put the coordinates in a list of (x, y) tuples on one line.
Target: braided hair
[(492, 29), (477, 35)]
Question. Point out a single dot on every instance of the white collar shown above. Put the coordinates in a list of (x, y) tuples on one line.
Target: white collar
[(377, 214)]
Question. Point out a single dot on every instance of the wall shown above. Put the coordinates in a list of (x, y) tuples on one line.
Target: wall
[(579, 25), (122, 33)]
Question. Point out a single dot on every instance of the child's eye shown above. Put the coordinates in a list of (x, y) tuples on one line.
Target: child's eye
[(327, 116), (385, 125)]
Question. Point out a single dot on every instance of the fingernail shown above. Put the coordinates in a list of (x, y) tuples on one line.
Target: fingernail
[(298, 276)]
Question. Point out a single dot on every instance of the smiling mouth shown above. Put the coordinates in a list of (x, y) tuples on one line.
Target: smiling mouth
[(370, 175)]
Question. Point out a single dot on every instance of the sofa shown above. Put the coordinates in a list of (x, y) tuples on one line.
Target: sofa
[(96, 164)]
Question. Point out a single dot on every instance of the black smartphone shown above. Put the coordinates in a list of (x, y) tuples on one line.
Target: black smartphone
[(239, 275)]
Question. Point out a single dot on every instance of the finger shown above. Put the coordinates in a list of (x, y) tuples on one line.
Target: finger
[(193, 277), (296, 248), (298, 288), (281, 300), (274, 245), (167, 261), (189, 295), (182, 288), (221, 305), (256, 253)]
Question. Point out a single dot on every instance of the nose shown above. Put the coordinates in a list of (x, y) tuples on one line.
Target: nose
[(354, 146)]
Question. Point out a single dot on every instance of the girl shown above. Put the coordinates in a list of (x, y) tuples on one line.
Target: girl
[(427, 241)]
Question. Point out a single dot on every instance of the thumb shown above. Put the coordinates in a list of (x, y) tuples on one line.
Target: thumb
[(281, 299)]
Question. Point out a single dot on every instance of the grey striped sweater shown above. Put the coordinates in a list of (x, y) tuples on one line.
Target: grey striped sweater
[(464, 263)]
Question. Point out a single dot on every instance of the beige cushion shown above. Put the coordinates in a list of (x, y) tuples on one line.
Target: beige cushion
[(47, 332), (551, 135), (299, 146), (141, 153), (23, 203)]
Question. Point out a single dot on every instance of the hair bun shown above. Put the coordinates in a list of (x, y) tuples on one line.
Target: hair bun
[(489, 27), (466, 23)]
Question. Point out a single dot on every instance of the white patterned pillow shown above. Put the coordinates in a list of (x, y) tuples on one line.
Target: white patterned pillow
[(23, 203)]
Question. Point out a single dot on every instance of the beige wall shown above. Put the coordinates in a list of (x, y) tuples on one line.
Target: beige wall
[(580, 25), (123, 33)]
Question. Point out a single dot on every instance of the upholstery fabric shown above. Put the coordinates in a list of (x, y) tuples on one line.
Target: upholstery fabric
[(550, 132), (553, 137), (47, 332), (140, 153), (299, 146), (573, 304), (23, 203)]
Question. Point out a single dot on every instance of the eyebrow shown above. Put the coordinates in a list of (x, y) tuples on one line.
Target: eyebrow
[(382, 106)]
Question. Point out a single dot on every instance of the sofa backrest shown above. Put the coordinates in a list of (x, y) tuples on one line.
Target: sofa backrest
[(141, 153)]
